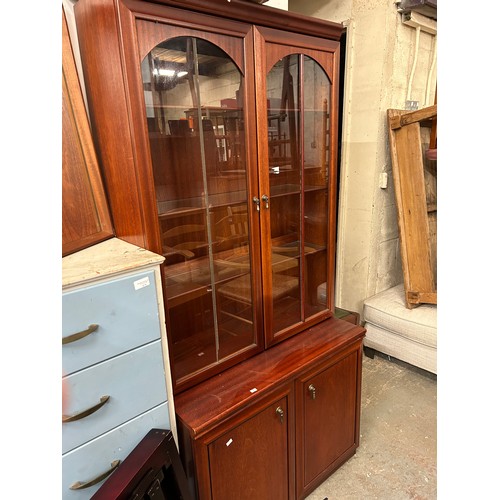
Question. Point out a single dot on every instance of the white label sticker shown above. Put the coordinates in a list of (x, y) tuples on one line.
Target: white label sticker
[(141, 283), (229, 442), (253, 390)]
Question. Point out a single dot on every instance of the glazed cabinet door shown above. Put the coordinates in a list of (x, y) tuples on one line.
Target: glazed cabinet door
[(195, 89), (298, 138), (327, 419), (252, 459)]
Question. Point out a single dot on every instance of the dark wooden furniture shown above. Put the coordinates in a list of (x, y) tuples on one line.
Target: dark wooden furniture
[(278, 424), (152, 470), (85, 215), (216, 123)]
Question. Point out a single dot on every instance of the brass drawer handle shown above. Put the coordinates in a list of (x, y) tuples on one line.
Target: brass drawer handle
[(85, 413), (80, 486), (280, 413), (79, 335), (312, 391)]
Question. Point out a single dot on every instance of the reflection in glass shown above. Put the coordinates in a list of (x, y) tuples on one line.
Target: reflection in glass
[(298, 94), (193, 97)]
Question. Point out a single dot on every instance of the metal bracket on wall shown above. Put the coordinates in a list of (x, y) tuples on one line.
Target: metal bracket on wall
[(416, 20)]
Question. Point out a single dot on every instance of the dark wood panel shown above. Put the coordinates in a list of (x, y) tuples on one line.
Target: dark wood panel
[(256, 450), (153, 468), (151, 34), (328, 399), (331, 413), (85, 215), (261, 424), (119, 148), (280, 44)]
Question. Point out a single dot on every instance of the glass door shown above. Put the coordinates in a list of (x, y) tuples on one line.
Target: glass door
[(193, 93), (298, 94)]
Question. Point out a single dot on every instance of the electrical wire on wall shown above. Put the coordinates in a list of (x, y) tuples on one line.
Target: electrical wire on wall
[(428, 25), (415, 58), (431, 72)]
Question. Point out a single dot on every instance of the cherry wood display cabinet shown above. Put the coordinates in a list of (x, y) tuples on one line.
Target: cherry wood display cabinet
[(216, 127)]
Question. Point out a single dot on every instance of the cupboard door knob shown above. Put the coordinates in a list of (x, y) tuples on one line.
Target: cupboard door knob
[(85, 413), (312, 391), (80, 486), (280, 413), (79, 335)]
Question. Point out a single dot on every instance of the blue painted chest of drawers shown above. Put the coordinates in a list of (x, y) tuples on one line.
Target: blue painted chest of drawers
[(116, 375)]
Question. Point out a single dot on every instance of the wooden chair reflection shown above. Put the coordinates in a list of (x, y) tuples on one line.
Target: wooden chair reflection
[(232, 230), (185, 241)]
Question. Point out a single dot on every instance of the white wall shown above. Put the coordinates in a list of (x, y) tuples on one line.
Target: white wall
[(380, 56)]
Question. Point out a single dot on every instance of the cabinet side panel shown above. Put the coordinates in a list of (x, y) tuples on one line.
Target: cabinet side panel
[(187, 457)]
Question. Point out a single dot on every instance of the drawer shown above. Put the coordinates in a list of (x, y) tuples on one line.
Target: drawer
[(125, 310), (134, 382), (95, 457)]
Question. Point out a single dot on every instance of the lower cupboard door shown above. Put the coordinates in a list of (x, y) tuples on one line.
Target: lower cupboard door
[(251, 460), (329, 416)]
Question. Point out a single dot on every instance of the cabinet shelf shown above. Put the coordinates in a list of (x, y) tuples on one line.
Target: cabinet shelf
[(190, 280), (174, 208), (275, 113), (197, 352), (293, 248), (288, 189)]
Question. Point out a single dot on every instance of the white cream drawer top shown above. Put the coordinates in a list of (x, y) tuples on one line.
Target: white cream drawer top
[(90, 462), (122, 313), (112, 392)]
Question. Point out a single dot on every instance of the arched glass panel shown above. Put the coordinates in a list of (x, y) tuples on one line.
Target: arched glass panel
[(298, 95), (193, 97)]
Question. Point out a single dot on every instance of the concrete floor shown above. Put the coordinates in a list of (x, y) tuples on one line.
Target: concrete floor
[(396, 458)]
